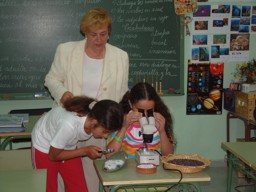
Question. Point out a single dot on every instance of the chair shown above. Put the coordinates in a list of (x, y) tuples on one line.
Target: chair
[(15, 139), (19, 139), (39, 111)]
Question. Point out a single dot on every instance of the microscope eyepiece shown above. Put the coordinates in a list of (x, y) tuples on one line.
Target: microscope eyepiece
[(142, 111), (150, 113)]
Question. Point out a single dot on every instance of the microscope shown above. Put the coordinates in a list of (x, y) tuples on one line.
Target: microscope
[(148, 128)]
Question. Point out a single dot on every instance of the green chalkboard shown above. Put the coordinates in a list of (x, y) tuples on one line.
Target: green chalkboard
[(30, 30)]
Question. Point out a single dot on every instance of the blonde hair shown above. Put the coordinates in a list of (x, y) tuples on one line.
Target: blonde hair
[(96, 17)]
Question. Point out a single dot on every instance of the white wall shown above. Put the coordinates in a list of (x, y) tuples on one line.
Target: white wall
[(200, 134)]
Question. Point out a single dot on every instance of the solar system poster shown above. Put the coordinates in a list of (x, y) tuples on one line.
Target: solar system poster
[(204, 88)]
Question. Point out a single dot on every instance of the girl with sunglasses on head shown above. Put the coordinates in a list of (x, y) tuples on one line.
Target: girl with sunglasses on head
[(141, 100)]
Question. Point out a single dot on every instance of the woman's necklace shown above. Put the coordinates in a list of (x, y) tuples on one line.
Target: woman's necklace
[(95, 54)]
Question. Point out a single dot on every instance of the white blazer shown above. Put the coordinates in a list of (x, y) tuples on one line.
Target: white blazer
[(66, 73)]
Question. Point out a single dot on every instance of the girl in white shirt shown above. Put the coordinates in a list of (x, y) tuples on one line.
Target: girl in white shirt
[(56, 134)]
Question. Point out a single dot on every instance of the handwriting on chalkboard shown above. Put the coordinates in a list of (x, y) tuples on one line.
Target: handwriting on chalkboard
[(30, 31), (151, 35)]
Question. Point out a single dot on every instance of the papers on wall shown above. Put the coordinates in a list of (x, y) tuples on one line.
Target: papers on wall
[(224, 31)]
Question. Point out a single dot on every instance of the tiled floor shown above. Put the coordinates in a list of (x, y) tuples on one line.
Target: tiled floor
[(218, 173)]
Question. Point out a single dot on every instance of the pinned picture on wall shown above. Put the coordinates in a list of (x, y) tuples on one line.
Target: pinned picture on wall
[(185, 6), (235, 23), (222, 9), (236, 11), (220, 39), (200, 39), (239, 46), (204, 54), (253, 29), (203, 11), (246, 11), (204, 88), (215, 51), (201, 25), (253, 19), (224, 51), (239, 42), (195, 53)]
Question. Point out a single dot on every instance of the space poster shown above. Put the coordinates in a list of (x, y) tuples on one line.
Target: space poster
[(204, 89), (220, 35)]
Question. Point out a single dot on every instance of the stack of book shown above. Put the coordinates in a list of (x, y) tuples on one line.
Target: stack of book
[(244, 87), (235, 86), (13, 123)]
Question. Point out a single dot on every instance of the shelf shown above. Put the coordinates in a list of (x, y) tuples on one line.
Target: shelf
[(248, 125)]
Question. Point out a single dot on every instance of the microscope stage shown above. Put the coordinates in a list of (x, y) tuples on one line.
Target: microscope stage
[(148, 156)]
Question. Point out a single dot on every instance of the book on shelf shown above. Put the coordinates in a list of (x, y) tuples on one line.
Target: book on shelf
[(11, 129), (11, 120), (235, 86), (248, 87), (25, 116), (244, 87)]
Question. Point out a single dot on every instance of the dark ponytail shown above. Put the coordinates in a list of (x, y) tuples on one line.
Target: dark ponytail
[(109, 114), (78, 104), (125, 102)]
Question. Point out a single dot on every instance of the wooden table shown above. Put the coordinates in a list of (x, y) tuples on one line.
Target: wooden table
[(128, 177), (240, 154)]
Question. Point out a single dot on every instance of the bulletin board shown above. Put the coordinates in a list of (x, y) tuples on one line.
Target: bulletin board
[(221, 33)]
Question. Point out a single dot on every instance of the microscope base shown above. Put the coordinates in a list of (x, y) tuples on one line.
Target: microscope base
[(149, 156)]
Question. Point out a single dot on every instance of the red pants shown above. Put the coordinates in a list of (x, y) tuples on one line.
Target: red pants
[(70, 170)]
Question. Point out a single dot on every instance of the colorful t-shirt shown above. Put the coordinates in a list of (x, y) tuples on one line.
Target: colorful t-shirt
[(133, 141)]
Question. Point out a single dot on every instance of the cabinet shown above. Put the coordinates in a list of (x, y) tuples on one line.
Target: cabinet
[(249, 125)]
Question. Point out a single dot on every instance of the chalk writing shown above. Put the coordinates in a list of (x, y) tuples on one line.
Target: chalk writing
[(30, 31)]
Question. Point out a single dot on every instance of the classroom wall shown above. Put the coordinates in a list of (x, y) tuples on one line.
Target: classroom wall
[(195, 134)]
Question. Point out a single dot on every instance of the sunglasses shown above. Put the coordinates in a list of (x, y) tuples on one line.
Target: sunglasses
[(149, 112)]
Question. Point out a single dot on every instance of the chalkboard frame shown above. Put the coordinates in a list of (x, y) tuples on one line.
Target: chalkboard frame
[(45, 95)]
